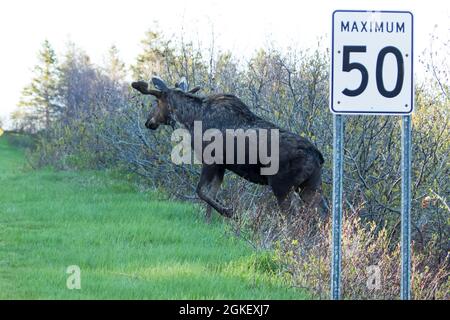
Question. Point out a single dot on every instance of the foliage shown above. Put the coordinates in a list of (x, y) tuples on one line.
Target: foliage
[(370, 263), (39, 106)]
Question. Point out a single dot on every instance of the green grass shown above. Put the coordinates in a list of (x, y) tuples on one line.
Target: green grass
[(128, 245)]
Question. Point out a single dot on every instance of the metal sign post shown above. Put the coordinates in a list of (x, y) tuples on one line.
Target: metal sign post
[(405, 286), (371, 73), (338, 170)]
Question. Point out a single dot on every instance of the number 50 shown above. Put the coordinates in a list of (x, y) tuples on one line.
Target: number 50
[(348, 66)]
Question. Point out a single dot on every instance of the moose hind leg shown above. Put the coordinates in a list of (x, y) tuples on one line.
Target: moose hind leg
[(311, 194), (281, 190), (210, 181)]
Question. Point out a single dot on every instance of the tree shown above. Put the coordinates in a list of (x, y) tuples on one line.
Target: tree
[(114, 67), (151, 60), (38, 105), (76, 86), (110, 85)]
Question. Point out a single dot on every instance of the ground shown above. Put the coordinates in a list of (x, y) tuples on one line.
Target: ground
[(128, 244)]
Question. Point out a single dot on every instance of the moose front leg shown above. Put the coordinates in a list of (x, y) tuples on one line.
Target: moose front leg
[(214, 188), (208, 186)]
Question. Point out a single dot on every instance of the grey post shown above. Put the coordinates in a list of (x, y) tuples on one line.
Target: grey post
[(338, 170), (405, 286)]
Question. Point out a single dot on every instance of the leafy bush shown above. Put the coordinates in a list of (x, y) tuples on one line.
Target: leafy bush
[(370, 263), (24, 141)]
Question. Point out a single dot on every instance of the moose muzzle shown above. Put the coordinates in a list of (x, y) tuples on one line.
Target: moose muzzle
[(150, 124)]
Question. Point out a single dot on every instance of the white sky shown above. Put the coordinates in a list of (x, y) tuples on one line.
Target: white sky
[(239, 25)]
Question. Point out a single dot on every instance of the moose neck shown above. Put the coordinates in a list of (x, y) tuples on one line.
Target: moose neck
[(187, 108)]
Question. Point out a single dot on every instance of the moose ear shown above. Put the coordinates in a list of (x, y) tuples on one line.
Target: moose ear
[(159, 84), (182, 84), (194, 90), (142, 87)]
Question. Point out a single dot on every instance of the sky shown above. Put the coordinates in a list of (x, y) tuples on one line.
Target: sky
[(241, 26)]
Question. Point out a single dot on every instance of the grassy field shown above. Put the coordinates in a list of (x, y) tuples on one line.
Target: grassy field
[(127, 244)]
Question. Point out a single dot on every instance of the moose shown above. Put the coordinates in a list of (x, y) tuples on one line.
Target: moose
[(300, 162)]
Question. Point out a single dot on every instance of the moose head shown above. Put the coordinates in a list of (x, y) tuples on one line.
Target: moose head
[(162, 113)]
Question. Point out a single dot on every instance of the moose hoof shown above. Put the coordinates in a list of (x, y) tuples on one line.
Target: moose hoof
[(228, 213)]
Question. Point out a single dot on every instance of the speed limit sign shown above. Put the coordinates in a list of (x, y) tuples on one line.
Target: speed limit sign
[(372, 62), (371, 73)]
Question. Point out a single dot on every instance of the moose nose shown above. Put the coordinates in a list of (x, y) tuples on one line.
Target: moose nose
[(151, 125)]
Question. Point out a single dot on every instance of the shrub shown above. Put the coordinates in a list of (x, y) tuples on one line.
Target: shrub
[(370, 262)]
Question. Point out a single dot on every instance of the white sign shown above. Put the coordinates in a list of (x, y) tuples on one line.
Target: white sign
[(372, 62)]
